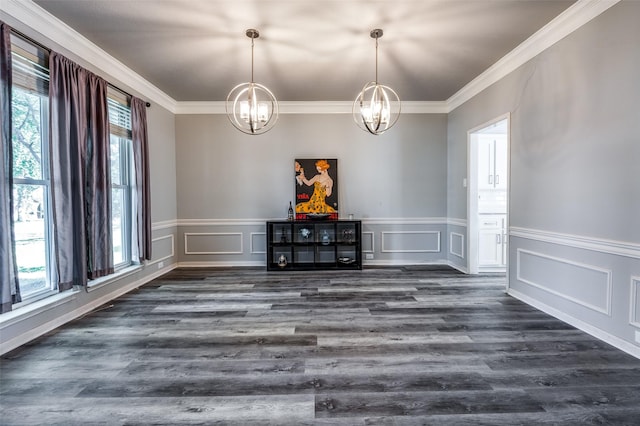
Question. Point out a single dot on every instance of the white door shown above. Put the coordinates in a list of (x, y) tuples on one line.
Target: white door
[(488, 168)]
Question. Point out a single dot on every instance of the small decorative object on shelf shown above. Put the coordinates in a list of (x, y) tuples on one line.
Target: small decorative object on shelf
[(283, 235), (290, 212), (325, 238), (347, 235), (282, 261), (305, 233)]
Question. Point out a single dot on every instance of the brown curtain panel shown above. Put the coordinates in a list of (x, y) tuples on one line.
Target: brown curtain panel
[(79, 173), (9, 288), (141, 160), (98, 180)]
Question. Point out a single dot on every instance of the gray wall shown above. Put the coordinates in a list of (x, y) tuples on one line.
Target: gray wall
[(162, 153), (224, 175), (575, 188)]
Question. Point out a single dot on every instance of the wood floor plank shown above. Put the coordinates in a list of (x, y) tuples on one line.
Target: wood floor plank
[(424, 403), (263, 409)]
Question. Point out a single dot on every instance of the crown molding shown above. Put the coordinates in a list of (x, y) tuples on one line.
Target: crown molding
[(37, 19), (564, 24), (316, 107)]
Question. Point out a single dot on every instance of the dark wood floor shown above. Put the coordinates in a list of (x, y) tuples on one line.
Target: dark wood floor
[(403, 346)]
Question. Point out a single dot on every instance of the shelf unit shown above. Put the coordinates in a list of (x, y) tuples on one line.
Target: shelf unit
[(306, 245)]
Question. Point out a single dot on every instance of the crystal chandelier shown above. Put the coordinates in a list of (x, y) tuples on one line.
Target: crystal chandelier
[(377, 107), (251, 107)]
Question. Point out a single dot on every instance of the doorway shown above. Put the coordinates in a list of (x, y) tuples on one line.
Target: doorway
[(487, 190)]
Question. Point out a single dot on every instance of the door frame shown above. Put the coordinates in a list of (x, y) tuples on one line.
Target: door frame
[(472, 192)]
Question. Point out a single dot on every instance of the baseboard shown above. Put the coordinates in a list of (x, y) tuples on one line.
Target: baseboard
[(615, 341), (231, 264), (223, 264), (36, 332), (401, 263), (460, 268)]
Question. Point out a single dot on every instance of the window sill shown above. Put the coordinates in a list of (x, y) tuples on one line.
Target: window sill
[(22, 311), (122, 273)]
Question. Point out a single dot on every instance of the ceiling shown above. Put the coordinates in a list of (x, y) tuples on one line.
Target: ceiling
[(308, 50)]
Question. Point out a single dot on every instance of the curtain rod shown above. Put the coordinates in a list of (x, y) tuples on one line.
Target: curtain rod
[(148, 104), (42, 46), (29, 39)]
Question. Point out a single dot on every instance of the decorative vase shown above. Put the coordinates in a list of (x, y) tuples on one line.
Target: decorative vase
[(282, 261), (325, 238)]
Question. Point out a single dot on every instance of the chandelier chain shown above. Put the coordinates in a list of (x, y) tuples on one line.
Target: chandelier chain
[(376, 60), (252, 40)]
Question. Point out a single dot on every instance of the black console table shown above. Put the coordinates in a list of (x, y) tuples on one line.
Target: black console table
[(306, 245)]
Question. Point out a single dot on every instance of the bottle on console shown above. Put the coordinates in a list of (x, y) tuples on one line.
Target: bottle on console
[(290, 213)]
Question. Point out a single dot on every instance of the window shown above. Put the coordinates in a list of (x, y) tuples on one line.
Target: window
[(121, 169), (31, 183), (32, 192)]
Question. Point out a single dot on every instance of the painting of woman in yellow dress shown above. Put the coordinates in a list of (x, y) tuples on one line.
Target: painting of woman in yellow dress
[(316, 196)]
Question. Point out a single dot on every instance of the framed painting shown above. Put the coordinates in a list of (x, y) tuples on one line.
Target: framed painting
[(316, 183)]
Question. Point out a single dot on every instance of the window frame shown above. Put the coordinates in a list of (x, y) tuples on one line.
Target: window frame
[(33, 80), (120, 129)]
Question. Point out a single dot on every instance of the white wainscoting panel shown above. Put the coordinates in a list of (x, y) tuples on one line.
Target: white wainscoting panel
[(410, 242), (590, 286), (213, 243), (258, 239), (456, 244), (634, 316), (368, 245), (163, 248)]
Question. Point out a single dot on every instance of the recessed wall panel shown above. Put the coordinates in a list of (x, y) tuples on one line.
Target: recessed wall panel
[(410, 242), (162, 248), (586, 285), (213, 243), (456, 244), (635, 301), (258, 243), (367, 242)]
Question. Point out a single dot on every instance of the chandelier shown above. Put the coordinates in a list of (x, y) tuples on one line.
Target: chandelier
[(251, 107), (377, 107)]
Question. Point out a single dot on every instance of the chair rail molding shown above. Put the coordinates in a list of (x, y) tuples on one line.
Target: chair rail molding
[(370, 221), (618, 248)]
